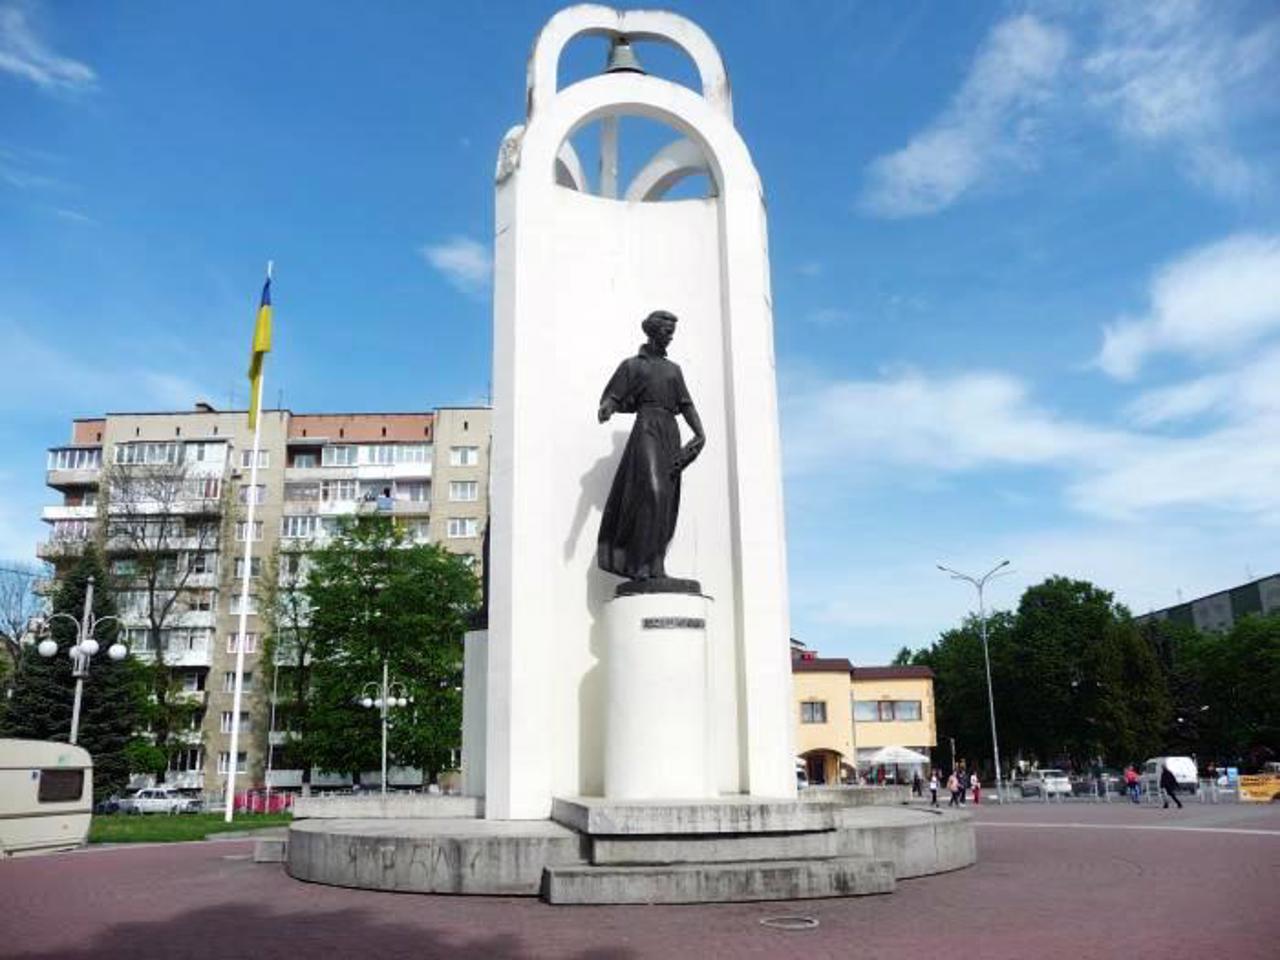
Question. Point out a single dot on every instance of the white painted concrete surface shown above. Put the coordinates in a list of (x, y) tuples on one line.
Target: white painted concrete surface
[(657, 737), (574, 276)]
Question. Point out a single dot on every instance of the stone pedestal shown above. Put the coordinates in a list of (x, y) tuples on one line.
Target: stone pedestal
[(657, 723)]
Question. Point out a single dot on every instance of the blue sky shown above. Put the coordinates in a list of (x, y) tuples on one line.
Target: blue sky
[(1026, 261)]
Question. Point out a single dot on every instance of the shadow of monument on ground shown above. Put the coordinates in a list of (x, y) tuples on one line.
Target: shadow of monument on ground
[(250, 930)]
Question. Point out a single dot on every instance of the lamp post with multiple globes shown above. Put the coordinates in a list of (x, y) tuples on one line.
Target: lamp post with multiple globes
[(384, 697), (82, 651)]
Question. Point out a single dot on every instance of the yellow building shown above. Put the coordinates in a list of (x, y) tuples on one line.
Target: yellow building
[(844, 714)]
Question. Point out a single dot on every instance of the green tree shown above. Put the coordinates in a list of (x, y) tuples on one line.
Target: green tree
[(287, 647), (113, 699), (374, 598), (1234, 716), (960, 694)]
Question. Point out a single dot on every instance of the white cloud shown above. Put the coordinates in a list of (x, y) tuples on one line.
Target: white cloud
[(909, 428), (1210, 302), (1173, 73), (989, 124), (25, 55), (465, 263), (1240, 394), (946, 425)]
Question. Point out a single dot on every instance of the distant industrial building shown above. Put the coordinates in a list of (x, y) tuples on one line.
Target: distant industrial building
[(1218, 612)]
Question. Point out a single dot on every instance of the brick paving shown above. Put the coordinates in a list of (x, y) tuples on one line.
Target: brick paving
[(1060, 880)]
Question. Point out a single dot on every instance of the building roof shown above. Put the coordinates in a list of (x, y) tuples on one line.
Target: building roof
[(820, 665), (892, 673)]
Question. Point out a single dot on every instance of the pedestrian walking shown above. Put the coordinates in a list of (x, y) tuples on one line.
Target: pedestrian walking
[(1169, 784), (976, 786), (917, 785), (933, 788), (962, 781), (953, 786), (1131, 782)]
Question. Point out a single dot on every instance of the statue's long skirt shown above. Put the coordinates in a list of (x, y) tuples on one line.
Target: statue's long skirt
[(640, 514)]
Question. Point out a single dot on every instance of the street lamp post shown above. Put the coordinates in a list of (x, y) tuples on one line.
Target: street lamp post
[(385, 697), (980, 584), (82, 651)]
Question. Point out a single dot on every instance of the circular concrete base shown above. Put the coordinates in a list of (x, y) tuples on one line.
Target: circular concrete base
[(864, 850)]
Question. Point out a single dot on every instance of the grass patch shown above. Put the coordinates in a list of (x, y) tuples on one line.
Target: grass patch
[(165, 828)]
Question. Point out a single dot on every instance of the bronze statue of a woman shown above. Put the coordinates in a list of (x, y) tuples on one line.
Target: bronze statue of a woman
[(644, 501)]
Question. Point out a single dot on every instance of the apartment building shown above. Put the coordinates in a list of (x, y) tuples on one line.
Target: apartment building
[(168, 492), (844, 714)]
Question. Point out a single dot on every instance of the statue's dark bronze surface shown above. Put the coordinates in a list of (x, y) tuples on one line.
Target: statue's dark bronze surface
[(644, 501)]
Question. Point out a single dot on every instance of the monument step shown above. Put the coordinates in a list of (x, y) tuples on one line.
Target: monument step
[(717, 882), (596, 816), (714, 848)]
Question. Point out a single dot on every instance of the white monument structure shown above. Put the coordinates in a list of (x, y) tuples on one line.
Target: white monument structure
[(633, 747), (571, 706)]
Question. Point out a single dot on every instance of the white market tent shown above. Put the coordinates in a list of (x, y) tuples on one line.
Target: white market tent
[(896, 755)]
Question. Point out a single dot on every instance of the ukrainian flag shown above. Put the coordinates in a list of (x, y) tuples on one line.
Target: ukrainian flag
[(261, 345)]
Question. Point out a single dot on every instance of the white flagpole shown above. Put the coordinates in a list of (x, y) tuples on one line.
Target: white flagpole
[(244, 601)]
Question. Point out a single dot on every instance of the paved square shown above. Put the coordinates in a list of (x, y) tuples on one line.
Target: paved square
[(1059, 880)]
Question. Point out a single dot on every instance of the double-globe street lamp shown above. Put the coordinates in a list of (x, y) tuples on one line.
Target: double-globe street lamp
[(384, 697), (980, 584), (82, 651)]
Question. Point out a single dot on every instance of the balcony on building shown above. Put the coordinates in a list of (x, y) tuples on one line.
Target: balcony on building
[(74, 467)]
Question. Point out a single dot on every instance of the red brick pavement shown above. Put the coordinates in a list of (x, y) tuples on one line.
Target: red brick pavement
[(1103, 888)]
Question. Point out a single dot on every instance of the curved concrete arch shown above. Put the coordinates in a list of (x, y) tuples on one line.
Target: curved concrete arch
[(569, 172), (673, 163), (656, 25)]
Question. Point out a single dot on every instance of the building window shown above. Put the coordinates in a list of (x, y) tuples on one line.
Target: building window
[(338, 490), (124, 567), (193, 681), (201, 562), (463, 527), (264, 458), (813, 711), (304, 461), (336, 456), (229, 684), (243, 525), (865, 711), (464, 456), (465, 490), (224, 762), (255, 567), (300, 527), (259, 493), (418, 531), (189, 760), (202, 601), (78, 458), (250, 643), (906, 709), (251, 607), (147, 453), (415, 491)]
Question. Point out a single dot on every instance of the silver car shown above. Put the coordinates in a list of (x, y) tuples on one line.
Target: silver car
[(160, 800)]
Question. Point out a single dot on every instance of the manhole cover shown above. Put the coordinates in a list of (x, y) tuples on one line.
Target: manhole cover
[(790, 923)]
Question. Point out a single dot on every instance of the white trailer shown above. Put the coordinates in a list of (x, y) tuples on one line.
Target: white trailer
[(46, 796)]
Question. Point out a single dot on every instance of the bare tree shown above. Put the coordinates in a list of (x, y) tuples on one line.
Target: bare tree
[(286, 613), (20, 605), (163, 523)]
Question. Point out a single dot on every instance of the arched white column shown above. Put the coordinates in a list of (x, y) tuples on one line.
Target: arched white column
[(677, 160)]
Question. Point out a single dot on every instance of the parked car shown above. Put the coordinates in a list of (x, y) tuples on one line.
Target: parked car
[(160, 800), (1182, 768), (110, 805), (1046, 783)]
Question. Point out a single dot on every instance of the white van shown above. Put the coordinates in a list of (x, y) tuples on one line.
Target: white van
[(46, 796), (1182, 768)]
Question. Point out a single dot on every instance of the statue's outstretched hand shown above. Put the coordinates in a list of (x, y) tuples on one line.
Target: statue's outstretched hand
[(688, 453), (607, 409)]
